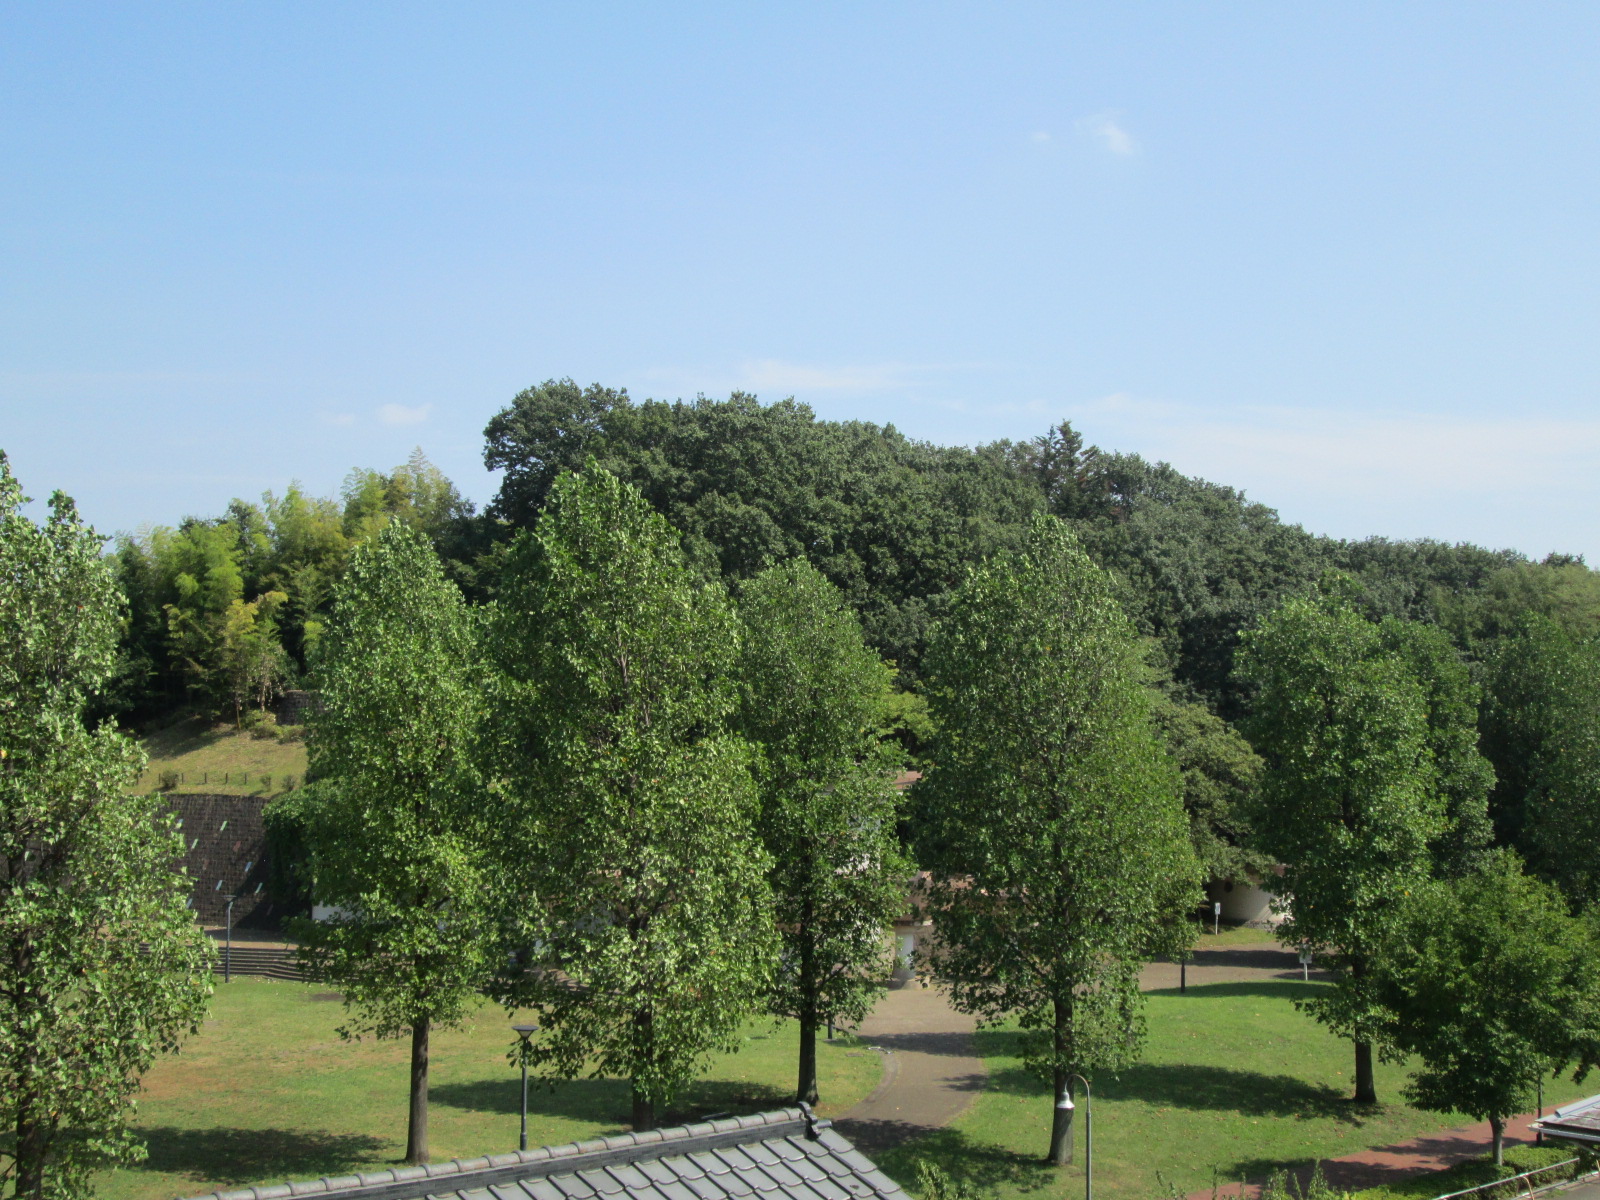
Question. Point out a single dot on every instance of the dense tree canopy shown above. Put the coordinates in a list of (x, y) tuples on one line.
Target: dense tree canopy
[(1050, 817), (1350, 800), (809, 692), (1494, 986), (101, 965), (633, 875), (396, 828)]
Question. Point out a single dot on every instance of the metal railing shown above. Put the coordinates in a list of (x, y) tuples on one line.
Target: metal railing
[(1512, 1179)]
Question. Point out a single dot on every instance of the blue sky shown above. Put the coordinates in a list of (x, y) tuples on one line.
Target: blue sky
[(1344, 257)]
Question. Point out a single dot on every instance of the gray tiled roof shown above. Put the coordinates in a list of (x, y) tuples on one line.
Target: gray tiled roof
[(1576, 1122), (784, 1155)]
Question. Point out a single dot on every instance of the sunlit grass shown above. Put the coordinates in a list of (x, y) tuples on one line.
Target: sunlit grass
[(269, 1092)]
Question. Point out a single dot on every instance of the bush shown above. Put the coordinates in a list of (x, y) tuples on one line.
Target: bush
[(934, 1183), (290, 733), (261, 724), (170, 780)]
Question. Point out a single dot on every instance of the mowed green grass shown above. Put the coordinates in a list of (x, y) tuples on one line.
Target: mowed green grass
[(268, 1092), (1235, 1083), (221, 760)]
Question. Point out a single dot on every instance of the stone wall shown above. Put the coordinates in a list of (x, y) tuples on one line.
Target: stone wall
[(225, 853)]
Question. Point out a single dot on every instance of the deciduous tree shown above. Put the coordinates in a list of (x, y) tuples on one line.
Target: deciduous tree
[(396, 833), (1494, 986), (1050, 816), (810, 694), (636, 879), (102, 967), (1350, 800)]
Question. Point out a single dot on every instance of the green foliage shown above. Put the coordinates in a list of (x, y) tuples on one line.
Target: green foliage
[(396, 835), (935, 1183), (1494, 986), (101, 966), (891, 522), (809, 691), (1350, 800), (417, 494), (1218, 773), (1462, 776), (631, 866), (1050, 818), (1541, 729)]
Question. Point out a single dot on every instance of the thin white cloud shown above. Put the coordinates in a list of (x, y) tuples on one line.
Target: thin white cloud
[(338, 419), (1413, 453), (773, 375), (400, 414), (1108, 131), (1040, 135)]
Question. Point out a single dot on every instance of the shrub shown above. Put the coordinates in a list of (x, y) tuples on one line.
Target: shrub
[(261, 725), (170, 780), (934, 1183), (290, 733)]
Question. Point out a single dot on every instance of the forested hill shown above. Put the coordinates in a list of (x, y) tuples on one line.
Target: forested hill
[(227, 605), (896, 522)]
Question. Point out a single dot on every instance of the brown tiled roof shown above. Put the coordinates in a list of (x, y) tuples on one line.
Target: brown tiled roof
[(783, 1155)]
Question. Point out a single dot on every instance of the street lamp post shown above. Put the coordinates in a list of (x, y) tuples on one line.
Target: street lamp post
[(1088, 1131), (524, 1032), (227, 951)]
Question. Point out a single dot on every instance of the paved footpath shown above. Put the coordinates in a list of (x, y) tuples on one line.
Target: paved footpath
[(931, 1072)]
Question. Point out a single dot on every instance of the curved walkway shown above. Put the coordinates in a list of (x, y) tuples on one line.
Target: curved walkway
[(932, 1073), (930, 1070)]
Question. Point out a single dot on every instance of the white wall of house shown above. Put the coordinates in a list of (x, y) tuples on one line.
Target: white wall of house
[(1243, 902)]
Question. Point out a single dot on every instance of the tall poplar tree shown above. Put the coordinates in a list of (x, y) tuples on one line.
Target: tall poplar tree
[(810, 692), (1350, 801), (396, 830), (637, 881), (102, 967), (1051, 818)]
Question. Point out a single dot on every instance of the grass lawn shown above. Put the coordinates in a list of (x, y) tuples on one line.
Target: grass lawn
[(221, 760), (268, 1092), (1234, 1082), (1235, 935)]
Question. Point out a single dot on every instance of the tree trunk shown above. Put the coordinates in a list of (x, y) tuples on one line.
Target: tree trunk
[(32, 1140), (1497, 1126), (417, 1127), (644, 1044), (1061, 1125), (1366, 1088), (644, 1111), (806, 1089), (806, 1092)]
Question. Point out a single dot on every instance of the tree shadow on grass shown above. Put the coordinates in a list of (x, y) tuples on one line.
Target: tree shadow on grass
[(983, 1165), (238, 1157), (606, 1101)]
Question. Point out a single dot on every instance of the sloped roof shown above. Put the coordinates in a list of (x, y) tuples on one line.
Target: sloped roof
[(1576, 1122), (783, 1155)]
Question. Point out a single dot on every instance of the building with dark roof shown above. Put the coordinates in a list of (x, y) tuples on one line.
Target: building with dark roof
[(1575, 1122), (784, 1155)]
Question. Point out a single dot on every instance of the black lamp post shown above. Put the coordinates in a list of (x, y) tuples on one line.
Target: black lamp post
[(524, 1032), (1088, 1132), (227, 952)]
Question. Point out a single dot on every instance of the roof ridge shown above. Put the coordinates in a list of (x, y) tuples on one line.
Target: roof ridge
[(655, 1141)]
